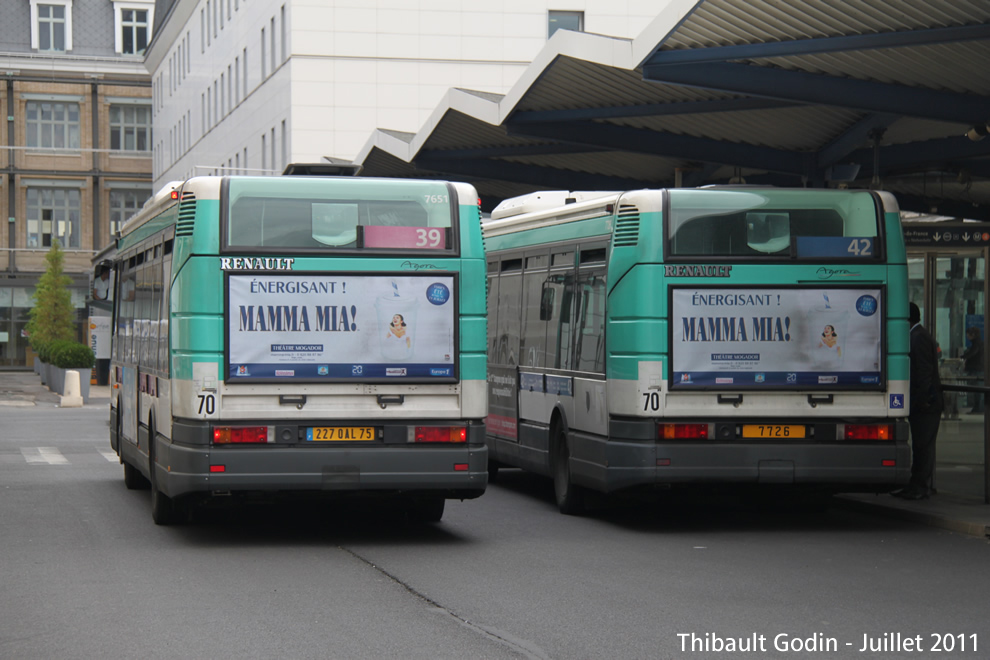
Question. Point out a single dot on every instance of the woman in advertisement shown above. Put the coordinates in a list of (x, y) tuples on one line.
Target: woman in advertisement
[(398, 332), (829, 342)]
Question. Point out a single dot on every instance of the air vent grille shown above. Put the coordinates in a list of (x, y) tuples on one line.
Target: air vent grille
[(187, 215), (626, 226)]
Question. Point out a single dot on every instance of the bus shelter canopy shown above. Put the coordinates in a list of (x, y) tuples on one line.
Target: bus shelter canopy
[(884, 94)]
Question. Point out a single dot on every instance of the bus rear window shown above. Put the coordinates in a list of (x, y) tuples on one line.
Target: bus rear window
[(773, 223), (288, 213)]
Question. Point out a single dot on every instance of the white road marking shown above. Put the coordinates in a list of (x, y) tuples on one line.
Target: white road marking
[(109, 455), (49, 455)]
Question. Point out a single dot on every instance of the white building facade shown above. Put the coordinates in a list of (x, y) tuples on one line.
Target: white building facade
[(249, 86)]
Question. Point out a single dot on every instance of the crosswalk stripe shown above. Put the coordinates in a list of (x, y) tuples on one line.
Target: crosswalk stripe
[(109, 455), (49, 455)]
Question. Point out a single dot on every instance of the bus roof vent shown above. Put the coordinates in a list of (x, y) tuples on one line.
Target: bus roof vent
[(544, 200), (187, 215), (626, 226)]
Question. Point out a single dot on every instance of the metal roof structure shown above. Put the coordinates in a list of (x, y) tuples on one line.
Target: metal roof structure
[(890, 94)]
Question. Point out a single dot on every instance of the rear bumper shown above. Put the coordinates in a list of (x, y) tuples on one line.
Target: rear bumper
[(841, 466), (455, 471), (847, 467)]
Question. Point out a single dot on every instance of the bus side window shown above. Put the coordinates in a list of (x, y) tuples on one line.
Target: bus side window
[(492, 324), (559, 332), (534, 328), (510, 299), (590, 345)]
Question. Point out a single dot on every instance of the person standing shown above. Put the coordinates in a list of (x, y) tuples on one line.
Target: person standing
[(973, 365), (926, 408)]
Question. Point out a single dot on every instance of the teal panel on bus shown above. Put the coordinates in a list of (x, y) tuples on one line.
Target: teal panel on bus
[(647, 249), (150, 228), (196, 324), (206, 238), (898, 367), (182, 363), (563, 232), (473, 284), (646, 335), (626, 367), (473, 366), (637, 319), (471, 244), (473, 337), (896, 252), (200, 289)]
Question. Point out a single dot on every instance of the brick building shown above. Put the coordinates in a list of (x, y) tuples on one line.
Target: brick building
[(76, 149)]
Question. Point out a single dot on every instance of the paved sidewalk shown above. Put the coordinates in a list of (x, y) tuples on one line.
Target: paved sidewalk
[(24, 388)]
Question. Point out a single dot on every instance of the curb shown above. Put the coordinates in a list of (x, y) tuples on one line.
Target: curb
[(968, 527)]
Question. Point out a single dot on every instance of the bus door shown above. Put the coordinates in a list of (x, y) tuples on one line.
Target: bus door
[(505, 284), (589, 343)]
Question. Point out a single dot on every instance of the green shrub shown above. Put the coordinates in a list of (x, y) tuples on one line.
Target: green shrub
[(41, 350), (72, 355), (52, 316)]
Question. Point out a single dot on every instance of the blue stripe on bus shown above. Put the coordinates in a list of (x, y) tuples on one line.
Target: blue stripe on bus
[(355, 371), (773, 379)]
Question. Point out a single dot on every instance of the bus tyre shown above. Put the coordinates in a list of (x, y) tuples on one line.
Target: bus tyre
[(164, 510), (133, 479), (570, 497), (427, 509)]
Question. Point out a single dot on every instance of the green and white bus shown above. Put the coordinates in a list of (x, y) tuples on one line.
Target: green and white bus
[(736, 335), (301, 336)]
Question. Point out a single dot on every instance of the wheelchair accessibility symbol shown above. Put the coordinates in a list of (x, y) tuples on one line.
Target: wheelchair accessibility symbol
[(897, 401)]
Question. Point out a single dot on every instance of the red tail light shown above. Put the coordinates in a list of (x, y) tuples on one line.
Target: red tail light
[(440, 434), (683, 432), (228, 435), (867, 432)]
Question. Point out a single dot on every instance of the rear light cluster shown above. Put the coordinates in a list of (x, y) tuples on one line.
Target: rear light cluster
[(867, 432), (685, 431), (438, 434), (233, 435)]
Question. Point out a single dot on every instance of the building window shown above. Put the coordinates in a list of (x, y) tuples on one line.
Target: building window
[(264, 72), (52, 125), (51, 25), (271, 33), (124, 204), (53, 213), (132, 25), (130, 127), (564, 20)]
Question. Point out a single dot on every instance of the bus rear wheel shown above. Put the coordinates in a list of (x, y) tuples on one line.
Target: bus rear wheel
[(133, 479), (569, 496), (427, 509), (164, 510)]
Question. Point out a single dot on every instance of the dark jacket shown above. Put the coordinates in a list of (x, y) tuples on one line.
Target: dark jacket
[(926, 386), (973, 357)]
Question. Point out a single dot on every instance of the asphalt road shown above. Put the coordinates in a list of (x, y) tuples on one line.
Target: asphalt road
[(85, 573)]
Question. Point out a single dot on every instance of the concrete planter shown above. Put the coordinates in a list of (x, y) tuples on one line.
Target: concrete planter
[(57, 382), (83, 382)]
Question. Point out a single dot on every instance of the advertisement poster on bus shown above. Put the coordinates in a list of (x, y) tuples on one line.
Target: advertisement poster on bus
[(762, 338), (344, 326)]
